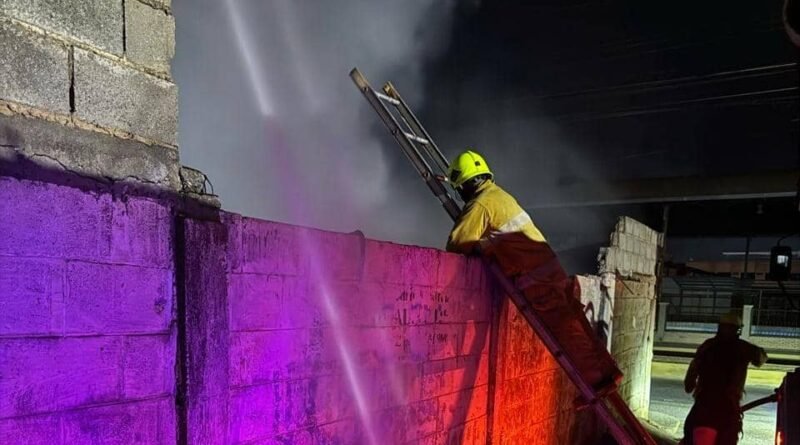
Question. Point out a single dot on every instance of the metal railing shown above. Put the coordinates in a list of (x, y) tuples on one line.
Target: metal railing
[(694, 304)]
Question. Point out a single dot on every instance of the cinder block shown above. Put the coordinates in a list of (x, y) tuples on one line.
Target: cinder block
[(258, 412), (366, 304), (342, 432), (334, 256), (96, 22), (404, 424), (640, 247), (208, 417), (473, 433), (117, 299), (42, 375), (446, 376), (452, 272), (115, 96), (140, 423), (614, 239), (256, 301), (273, 248), (460, 407), (149, 366), (142, 233), (33, 70), (455, 305), (87, 153), (333, 399), (474, 339), (458, 272), (268, 356), (31, 295), (32, 430), (446, 342), (46, 220), (410, 344), (398, 264), (150, 36), (422, 419), (652, 251)]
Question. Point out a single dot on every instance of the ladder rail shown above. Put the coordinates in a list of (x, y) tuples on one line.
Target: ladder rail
[(409, 149), (409, 116), (603, 405)]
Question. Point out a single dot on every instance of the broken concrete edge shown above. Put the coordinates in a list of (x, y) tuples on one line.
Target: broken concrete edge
[(192, 205), (194, 181), (9, 108), (71, 41), (162, 5), (45, 169), (51, 152)]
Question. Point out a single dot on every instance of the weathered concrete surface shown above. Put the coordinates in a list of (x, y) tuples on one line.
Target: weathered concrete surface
[(338, 339), (85, 153), (632, 258), (534, 400), (95, 22), (150, 36), (292, 334), (632, 251), (87, 343), (33, 70), (208, 338), (116, 96)]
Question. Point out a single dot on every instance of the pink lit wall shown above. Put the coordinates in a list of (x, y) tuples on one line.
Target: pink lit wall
[(333, 339), (314, 337)]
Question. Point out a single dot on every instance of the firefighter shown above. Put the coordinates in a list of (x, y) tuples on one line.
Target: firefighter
[(716, 377), (493, 224)]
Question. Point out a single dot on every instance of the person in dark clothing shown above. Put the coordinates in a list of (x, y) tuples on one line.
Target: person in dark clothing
[(716, 377)]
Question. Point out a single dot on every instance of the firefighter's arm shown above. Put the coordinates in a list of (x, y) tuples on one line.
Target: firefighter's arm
[(468, 229), (690, 381)]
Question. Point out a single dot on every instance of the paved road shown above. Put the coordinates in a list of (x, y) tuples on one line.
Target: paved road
[(669, 405)]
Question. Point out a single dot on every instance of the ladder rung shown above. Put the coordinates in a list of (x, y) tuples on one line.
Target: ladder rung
[(391, 100), (414, 137)]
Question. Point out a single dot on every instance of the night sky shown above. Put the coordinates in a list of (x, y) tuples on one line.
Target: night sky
[(554, 93)]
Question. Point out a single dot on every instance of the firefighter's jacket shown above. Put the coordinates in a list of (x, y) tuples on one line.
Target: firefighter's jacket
[(493, 224)]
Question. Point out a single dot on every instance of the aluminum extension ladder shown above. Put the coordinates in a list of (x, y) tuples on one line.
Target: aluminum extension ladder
[(419, 148)]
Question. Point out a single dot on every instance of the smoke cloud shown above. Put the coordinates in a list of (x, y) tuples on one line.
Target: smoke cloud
[(269, 112)]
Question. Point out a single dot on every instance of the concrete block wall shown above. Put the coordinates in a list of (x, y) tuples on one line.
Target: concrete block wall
[(534, 399), (303, 336), (87, 69), (87, 337), (631, 257)]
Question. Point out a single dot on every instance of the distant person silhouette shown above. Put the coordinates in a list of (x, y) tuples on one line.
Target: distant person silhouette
[(716, 377)]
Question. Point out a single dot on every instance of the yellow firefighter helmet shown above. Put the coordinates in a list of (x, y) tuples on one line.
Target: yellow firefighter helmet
[(466, 166)]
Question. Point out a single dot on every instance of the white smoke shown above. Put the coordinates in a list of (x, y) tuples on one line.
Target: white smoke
[(269, 112)]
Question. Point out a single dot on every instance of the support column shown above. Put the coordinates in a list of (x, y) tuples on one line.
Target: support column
[(661, 327), (747, 320)]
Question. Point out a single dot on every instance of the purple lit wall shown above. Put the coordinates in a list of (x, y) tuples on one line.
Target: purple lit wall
[(87, 339), (293, 335)]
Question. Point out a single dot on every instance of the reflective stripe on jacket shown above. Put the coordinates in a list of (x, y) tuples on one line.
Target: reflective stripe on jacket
[(495, 224)]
